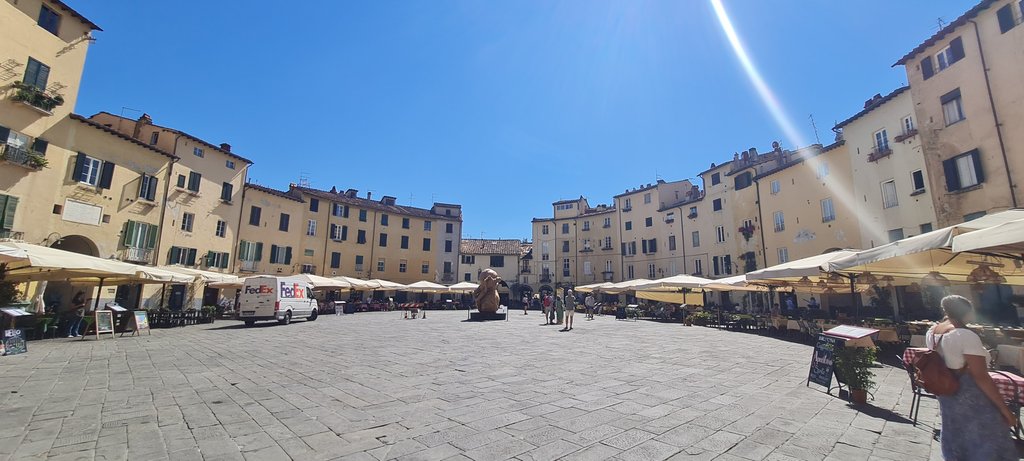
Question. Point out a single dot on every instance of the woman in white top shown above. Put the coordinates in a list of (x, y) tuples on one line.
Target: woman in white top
[(974, 419)]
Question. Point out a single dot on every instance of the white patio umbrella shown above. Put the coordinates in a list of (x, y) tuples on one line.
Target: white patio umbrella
[(201, 275), (385, 285), (318, 282), (593, 287), (45, 263), (425, 287), (734, 283), (622, 287), (931, 255), (1003, 238), (356, 284), (463, 287), (674, 283)]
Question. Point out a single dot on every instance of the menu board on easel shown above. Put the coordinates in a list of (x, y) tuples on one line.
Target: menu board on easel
[(104, 321), (140, 322), (823, 360), (13, 342)]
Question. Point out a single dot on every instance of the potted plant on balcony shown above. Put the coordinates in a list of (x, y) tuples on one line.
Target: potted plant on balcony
[(37, 161), (853, 368), (748, 231), (36, 97)]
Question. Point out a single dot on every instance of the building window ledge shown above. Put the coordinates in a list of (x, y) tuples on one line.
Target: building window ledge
[(187, 191), (146, 202), (966, 189), (917, 192)]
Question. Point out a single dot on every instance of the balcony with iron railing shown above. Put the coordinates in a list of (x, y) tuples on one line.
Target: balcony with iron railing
[(608, 276), (879, 152), (448, 277), (137, 255), (22, 157), (545, 277), (249, 266), (525, 270), (42, 101), (906, 135)]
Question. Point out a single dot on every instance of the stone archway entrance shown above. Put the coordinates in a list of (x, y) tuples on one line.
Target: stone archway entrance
[(77, 244)]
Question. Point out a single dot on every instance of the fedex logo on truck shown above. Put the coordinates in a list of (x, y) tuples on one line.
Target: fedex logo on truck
[(293, 291), (260, 290)]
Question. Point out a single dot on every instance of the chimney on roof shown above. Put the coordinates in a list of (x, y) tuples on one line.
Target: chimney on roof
[(388, 200), (143, 120), (225, 147), (351, 193), (334, 189), (753, 153), (873, 100), (369, 195)]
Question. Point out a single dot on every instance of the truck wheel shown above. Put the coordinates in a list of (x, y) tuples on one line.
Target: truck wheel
[(313, 315), (287, 318), (250, 323)]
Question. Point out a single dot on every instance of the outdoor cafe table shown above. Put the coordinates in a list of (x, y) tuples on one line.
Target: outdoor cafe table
[(1007, 383)]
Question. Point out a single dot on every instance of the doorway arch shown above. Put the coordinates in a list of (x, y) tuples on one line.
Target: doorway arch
[(77, 244)]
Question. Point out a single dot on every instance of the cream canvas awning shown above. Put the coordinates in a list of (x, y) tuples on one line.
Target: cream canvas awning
[(463, 287), (1003, 238), (593, 287), (201, 275), (356, 284), (425, 287), (734, 283), (622, 287), (385, 285)]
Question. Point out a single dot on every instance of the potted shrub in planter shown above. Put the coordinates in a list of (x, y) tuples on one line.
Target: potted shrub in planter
[(207, 314), (853, 368)]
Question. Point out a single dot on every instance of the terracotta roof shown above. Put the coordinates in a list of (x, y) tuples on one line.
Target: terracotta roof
[(642, 189), (970, 14), (874, 105), (194, 138), (113, 132), (275, 192), (491, 247), (340, 197), (71, 11), (573, 200), (683, 202)]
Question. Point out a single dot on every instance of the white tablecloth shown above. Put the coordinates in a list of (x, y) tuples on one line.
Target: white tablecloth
[(1011, 355)]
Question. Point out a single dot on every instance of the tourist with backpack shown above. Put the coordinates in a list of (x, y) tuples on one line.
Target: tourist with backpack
[(974, 417)]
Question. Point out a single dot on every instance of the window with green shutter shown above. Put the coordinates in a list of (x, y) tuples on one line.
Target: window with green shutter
[(8, 205)]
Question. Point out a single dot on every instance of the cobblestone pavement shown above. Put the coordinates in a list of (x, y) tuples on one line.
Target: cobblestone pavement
[(372, 387)]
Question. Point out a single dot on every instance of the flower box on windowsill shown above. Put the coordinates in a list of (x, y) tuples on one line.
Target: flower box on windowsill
[(906, 136), (36, 99)]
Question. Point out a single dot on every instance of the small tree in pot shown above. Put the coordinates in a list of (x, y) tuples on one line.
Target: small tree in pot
[(853, 368)]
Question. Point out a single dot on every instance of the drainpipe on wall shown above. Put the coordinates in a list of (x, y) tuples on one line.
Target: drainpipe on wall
[(995, 116), (163, 210), (238, 230), (327, 237)]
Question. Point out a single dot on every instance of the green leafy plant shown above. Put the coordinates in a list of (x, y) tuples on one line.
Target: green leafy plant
[(853, 367), (702, 318), (37, 161), (8, 290), (36, 97)]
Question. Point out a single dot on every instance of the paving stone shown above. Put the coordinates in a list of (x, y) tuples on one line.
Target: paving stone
[(651, 450)]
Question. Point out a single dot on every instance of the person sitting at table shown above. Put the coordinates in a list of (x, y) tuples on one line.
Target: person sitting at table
[(813, 303), (973, 418)]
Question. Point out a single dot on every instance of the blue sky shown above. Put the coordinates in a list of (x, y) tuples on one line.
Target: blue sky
[(502, 106)]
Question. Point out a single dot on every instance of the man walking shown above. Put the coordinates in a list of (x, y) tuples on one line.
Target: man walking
[(548, 310), (590, 303), (526, 304), (570, 309)]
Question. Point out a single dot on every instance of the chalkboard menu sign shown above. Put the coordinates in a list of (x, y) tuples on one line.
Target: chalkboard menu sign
[(13, 342), (823, 360), (104, 323)]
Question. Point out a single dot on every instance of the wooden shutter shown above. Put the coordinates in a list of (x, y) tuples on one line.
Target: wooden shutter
[(39, 146), (952, 175), (224, 260), (42, 76), (927, 70), (8, 205), (727, 264), (287, 255), (344, 232), (225, 192), (181, 180), (956, 48), (314, 205), (273, 254), (191, 260), (653, 246), (259, 251), (335, 260), (153, 230), (211, 258), (80, 160), (643, 244), (106, 175), (714, 261), (128, 235), (978, 171), (174, 257), (4, 134), (623, 248), (193, 181), (1005, 15), (151, 196)]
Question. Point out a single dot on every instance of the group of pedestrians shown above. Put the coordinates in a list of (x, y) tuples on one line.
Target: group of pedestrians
[(560, 308)]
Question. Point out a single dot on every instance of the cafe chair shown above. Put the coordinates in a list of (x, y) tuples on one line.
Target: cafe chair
[(919, 393), (1014, 403)]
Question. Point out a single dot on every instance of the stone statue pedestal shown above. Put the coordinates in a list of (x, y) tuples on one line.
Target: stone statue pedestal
[(487, 316)]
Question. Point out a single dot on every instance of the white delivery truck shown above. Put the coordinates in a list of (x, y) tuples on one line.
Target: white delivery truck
[(266, 297)]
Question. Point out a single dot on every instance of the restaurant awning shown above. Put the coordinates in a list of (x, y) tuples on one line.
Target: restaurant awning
[(673, 284), (318, 282), (931, 255), (622, 287), (356, 284), (385, 285)]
